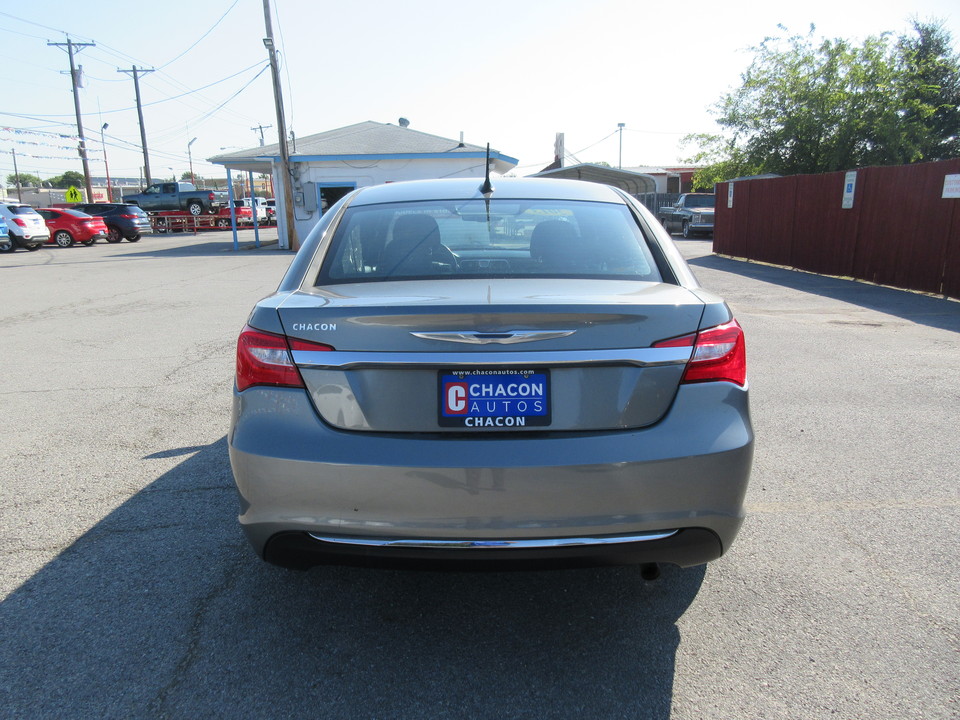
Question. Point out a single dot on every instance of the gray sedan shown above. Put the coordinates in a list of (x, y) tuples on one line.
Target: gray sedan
[(454, 375)]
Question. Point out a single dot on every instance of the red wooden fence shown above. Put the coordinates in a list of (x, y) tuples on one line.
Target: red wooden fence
[(900, 231)]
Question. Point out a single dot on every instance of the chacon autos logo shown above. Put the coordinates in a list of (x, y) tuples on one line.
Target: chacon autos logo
[(494, 398)]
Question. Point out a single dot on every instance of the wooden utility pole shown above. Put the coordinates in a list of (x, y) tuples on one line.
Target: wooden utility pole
[(17, 173), (137, 72), (260, 129), (70, 45), (281, 132)]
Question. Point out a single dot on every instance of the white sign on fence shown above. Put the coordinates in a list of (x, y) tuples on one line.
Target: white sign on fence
[(849, 187), (951, 186), (729, 194)]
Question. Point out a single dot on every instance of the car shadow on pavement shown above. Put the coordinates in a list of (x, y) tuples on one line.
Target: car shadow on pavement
[(922, 309), (162, 610)]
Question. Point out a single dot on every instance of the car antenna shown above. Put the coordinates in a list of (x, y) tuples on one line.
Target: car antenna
[(487, 187)]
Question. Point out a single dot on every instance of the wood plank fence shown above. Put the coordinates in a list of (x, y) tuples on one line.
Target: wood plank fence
[(899, 231)]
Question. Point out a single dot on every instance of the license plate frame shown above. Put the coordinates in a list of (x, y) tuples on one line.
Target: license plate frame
[(494, 398)]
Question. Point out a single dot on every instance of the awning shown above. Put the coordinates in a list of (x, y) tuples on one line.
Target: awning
[(631, 182)]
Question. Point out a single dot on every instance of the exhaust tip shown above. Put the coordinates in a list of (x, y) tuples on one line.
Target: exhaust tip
[(650, 571)]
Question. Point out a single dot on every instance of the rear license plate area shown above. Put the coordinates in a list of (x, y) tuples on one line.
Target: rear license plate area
[(494, 399)]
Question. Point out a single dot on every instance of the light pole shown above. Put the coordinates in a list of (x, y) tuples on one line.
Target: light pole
[(105, 164), (190, 155), (620, 162)]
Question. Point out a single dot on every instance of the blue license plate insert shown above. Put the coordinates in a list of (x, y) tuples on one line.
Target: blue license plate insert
[(492, 398)]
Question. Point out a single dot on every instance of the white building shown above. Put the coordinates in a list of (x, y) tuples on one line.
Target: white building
[(326, 166)]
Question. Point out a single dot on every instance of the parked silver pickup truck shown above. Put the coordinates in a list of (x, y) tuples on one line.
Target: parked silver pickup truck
[(692, 214), (178, 196)]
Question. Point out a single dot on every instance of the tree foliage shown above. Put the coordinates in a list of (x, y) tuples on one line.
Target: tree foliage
[(68, 179), (26, 180), (809, 105)]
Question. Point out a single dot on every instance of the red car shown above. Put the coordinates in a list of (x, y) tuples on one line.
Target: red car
[(70, 226)]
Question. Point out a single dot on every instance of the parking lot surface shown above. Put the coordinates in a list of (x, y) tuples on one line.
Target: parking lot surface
[(128, 591)]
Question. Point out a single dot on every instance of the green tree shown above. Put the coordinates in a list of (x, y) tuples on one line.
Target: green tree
[(68, 179), (809, 105), (932, 89), (26, 180)]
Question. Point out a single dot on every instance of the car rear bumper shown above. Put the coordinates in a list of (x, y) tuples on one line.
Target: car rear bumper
[(309, 493), (686, 547), (30, 238)]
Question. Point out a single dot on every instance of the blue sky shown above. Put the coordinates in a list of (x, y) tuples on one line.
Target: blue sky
[(512, 73)]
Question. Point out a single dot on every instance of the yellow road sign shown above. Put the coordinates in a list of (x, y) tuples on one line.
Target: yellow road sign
[(73, 195)]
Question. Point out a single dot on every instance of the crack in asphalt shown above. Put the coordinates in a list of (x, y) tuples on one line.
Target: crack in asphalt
[(191, 653)]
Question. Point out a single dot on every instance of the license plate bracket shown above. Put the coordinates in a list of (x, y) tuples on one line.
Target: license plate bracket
[(494, 398)]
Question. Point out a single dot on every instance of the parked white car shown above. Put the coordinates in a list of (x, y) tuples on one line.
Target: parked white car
[(258, 203), (25, 227)]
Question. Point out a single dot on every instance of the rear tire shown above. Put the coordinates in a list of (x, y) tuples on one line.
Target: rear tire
[(7, 244), (195, 208), (89, 242), (135, 238), (63, 238), (113, 235), (33, 246), (223, 222)]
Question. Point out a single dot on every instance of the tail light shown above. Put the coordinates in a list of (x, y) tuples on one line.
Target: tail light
[(129, 217), (211, 197), (264, 359), (20, 222), (719, 354)]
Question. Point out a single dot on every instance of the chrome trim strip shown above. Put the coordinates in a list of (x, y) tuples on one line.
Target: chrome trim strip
[(493, 544), (640, 357), (510, 337)]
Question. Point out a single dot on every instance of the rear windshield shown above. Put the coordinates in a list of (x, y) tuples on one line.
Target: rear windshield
[(131, 210), (21, 209), (477, 239)]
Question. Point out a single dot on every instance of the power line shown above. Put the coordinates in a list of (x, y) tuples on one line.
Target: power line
[(202, 36)]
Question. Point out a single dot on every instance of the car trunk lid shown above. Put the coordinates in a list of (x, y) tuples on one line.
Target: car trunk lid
[(582, 348)]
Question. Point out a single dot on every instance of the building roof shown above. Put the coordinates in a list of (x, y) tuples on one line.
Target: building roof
[(363, 141), (632, 182)]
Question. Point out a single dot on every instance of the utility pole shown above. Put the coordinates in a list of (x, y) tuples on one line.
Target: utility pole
[(281, 131), (17, 173), (620, 162), (106, 165), (76, 106), (190, 155), (261, 128), (137, 72)]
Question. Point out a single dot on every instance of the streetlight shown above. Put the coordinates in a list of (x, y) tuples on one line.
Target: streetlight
[(190, 155), (105, 164), (620, 163)]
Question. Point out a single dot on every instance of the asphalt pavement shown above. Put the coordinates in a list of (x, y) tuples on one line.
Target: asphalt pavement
[(128, 591)]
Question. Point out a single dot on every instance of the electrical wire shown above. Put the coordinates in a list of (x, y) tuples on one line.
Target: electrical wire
[(158, 102), (201, 37)]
